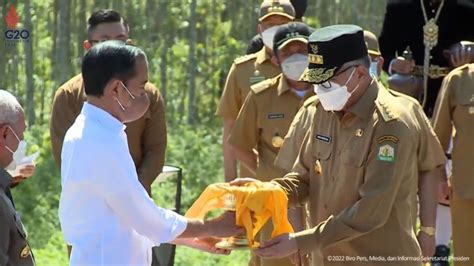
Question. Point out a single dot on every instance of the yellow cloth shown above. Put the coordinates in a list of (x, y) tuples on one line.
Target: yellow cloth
[(265, 200)]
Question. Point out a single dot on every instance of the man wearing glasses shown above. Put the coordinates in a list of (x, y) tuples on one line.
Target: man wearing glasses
[(357, 166)]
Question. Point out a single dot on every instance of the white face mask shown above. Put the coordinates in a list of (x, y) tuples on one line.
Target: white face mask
[(373, 70), (267, 36), (335, 97), (18, 154), (137, 109), (294, 66)]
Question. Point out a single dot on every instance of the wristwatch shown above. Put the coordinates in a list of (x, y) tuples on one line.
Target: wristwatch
[(430, 231)]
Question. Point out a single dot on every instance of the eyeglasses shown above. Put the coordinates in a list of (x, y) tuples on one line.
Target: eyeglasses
[(328, 85)]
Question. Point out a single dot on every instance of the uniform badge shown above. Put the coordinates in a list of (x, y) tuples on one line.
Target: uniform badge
[(317, 167), (386, 153), (25, 252), (256, 78), (387, 138), (276, 116), (277, 141)]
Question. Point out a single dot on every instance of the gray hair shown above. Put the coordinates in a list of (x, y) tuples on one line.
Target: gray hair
[(10, 108)]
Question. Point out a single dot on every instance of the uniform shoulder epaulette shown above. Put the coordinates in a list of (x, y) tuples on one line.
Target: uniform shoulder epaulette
[(387, 108), (245, 58), (404, 96), (311, 100), (263, 85)]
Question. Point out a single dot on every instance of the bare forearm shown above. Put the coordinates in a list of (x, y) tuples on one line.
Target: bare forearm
[(427, 193), (195, 228), (247, 158)]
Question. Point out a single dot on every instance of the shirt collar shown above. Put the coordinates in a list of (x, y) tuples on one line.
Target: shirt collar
[(5, 179), (262, 56), (282, 85), (103, 117), (363, 108)]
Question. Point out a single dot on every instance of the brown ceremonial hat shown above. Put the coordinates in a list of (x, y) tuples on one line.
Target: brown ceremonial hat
[(276, 7), (372, 43)]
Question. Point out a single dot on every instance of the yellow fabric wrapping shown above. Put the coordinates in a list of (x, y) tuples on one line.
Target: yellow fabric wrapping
[(265, 200)]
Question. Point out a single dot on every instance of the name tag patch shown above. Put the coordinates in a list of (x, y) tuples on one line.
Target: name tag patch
[(276, 116), (323, 138)]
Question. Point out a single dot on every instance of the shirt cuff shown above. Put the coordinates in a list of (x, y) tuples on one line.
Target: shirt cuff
[(306, 240)]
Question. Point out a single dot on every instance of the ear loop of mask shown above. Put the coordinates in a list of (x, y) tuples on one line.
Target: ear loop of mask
[(129, 93), (16, 136)]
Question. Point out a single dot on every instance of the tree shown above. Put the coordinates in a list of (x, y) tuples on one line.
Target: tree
[(30, 88), (192, 64), (63, 41)]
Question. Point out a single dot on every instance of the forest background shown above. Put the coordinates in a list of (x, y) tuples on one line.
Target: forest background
[(190, 46)]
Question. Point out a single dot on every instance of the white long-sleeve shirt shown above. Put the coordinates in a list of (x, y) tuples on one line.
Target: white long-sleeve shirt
[(105, 213)]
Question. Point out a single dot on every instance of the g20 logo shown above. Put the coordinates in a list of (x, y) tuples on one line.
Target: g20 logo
[(17, 35)]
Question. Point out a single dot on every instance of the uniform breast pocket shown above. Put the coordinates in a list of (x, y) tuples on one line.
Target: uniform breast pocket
[(19, 225), (352, 157), (274, 128)]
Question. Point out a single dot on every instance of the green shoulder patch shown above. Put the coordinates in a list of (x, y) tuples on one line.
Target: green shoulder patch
[(263, 85), (386, 153), (245, 58)]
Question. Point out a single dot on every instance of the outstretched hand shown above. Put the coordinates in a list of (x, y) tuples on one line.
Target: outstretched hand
[(206, 244), (278, 247), (225, 225)]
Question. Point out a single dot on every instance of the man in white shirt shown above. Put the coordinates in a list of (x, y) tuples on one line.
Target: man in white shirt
[(105, 213)]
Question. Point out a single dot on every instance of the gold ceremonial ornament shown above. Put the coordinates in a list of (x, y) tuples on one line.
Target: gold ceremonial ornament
[(25, 252), (237, 242), (430, 40)]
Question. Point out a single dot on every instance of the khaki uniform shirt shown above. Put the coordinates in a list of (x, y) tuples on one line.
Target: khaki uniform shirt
[(361, 169), (146, 136), (430, 153), (263, 122), (294, 137), (14, 248), (455, 107), (246, 71)]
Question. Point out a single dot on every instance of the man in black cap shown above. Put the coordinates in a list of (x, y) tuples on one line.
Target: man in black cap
[(358, 160)]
